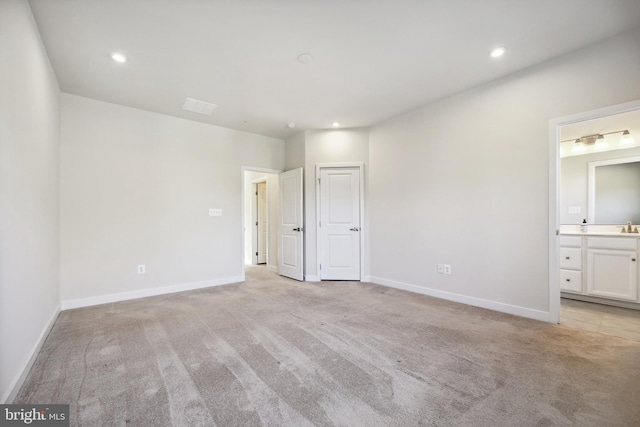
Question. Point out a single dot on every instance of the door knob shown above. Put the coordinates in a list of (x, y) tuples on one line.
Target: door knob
[(354, 229), (297, 229)]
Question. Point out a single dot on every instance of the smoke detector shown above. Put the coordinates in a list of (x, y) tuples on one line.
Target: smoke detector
[(200, 107), (305, 58), (291, 125)]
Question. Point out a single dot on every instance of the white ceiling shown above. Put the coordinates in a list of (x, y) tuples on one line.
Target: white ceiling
[(373, 59)]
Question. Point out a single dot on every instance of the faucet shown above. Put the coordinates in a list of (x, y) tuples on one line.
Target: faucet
[(629, 228)]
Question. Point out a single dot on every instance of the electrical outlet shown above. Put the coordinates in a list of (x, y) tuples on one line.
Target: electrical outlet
[(141, 269), (447, 269), (441, 268)]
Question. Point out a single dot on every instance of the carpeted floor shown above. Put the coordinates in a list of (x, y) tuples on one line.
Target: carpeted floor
[(276, 352)]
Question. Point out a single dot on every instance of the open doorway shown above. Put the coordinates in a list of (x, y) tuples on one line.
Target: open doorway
[(260, 218), (594, 268)]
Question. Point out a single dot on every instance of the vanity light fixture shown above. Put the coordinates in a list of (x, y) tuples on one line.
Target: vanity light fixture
[(598, 139)]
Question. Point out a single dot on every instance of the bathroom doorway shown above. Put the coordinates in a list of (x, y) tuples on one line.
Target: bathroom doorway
[(578, 296)]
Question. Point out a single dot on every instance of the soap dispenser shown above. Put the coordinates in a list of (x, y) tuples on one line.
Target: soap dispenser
[(583, 226)]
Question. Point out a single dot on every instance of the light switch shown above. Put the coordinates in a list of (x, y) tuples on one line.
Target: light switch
[(574, 209), (215, 212)]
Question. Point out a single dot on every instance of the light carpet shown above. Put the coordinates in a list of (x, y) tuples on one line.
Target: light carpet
[(276, 352)]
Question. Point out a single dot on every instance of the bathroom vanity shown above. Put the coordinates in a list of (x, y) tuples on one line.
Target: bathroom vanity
[(600, 265)]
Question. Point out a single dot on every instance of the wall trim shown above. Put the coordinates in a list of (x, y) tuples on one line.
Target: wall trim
[(543, 316), (310, 278), (143, 293), (22, 376)]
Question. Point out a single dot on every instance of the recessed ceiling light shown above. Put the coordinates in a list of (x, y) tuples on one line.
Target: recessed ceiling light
[(291, 125), (497, 52), (335, 124), (305, 58), (118, 57)]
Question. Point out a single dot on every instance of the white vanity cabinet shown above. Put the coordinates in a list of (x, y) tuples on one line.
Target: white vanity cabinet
[(571, 264), (612, 267), (599, 266)]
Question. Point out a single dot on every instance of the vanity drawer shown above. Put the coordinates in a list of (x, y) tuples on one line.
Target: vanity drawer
[(623, 243), (571, 281), (571, 241), (571, 258)]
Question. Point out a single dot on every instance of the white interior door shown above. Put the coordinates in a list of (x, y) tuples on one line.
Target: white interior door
[(290, 232), (339, 225), (261, 222)]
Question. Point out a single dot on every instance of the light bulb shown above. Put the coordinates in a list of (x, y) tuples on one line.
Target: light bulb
[(578, 147), (626, 138)]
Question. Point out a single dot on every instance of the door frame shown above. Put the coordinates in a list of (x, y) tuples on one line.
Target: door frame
[(554, 191), (360, 167), (244, 169), (256, 212)]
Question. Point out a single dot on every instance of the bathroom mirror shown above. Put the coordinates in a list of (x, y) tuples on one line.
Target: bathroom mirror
[(614, 191)]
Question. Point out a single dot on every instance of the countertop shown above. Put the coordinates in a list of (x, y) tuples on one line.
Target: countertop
[(596, 230), (599, 233)]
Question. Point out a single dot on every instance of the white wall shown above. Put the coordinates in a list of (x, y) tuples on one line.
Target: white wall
[(295, 151), (465, 181), (273, 190), (330, 146), (29, 230), (136, 188), (574, 184)]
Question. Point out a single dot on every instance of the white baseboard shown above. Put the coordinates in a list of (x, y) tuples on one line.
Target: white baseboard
[(124, 296), (272, 268), (17, 383), (365, 279), (543, 316)]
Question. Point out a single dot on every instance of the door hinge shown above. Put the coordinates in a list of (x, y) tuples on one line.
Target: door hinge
[(256, 253), (256, 222), (320, 266), (256, 193), (319, 223), (318, 181)]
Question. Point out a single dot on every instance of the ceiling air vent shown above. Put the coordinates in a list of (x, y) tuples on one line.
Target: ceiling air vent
[(198, 106)]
